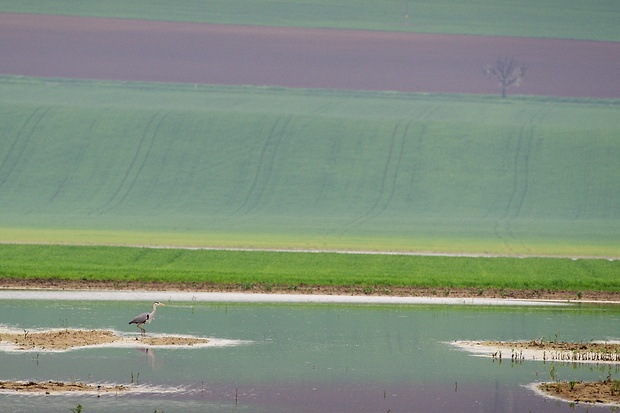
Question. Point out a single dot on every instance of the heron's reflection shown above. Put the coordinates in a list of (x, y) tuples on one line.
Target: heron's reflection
[(149, 357)]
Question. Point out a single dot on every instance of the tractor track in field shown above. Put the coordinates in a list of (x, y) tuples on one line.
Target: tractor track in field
[(418, 145), (520, 180), (393, 164), (389, 176), (264, 170), (12, 159), (140, 158), (83, 149), (519, 185)]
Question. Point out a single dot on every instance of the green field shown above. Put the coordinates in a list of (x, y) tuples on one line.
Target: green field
[(127, 163), (135, 163), (571, 19), (289, 270)]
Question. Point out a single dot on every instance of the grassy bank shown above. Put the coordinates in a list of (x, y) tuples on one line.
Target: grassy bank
[(571, 19), (290, 269)]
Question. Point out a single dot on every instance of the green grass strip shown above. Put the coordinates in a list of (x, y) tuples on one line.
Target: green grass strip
[(292, 269)]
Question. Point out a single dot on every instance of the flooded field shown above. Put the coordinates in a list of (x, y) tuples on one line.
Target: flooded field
[(297, 356)]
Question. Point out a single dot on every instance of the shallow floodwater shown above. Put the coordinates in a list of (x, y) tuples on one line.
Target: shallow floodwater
[(294, 357)]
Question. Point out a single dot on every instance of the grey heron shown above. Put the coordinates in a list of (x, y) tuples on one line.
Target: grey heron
[(139, 320)]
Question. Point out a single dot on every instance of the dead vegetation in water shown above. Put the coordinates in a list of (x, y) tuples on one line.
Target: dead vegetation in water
[(562, 350), (607, 391)]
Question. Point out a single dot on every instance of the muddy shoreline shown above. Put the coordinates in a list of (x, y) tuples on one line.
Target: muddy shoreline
[(379, 291), (601, 392), (50, 387), (545, 350), (69, 339), (605, 392)]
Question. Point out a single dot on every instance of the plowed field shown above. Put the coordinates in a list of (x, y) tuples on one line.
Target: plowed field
[(114, 49)]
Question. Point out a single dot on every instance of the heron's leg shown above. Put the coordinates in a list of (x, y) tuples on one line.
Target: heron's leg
[(142, 331)]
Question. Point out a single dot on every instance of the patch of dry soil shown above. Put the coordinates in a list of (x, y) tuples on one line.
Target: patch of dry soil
[(49, 387), (607, 391), (68, 339)]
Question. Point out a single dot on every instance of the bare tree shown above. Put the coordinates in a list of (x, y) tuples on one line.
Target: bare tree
[(508, 71)]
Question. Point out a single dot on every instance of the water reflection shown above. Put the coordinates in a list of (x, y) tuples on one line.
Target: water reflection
[(149, 357), (307, 358)]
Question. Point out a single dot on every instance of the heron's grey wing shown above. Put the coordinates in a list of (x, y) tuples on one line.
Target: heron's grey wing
[(139, 319)]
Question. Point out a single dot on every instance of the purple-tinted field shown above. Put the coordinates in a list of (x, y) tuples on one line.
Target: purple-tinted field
[(92, 48)]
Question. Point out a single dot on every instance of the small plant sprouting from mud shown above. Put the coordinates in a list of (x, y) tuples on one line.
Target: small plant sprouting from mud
[(368, 290), (614, 387), (77, 409)]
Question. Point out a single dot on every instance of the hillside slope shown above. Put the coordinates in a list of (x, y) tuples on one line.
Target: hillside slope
[(310, 168)]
